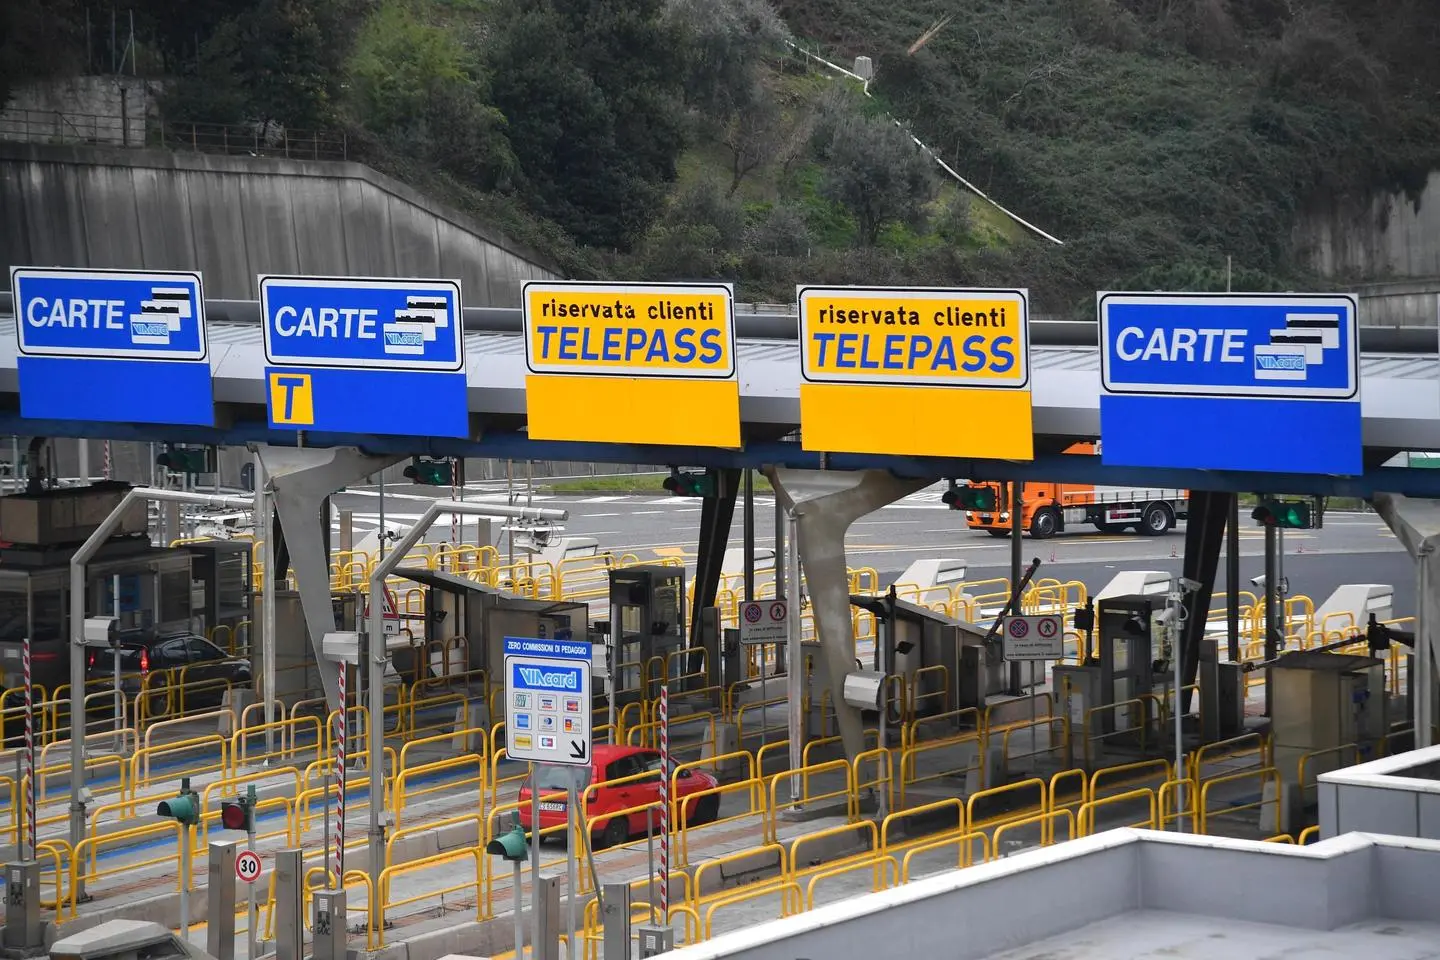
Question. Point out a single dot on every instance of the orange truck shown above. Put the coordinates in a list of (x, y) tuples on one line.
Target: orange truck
[(1051, 508)]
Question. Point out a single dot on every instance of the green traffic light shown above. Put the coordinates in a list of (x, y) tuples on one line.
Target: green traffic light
[(182, 809), (432, 473), (511, 846), (1288, 514)]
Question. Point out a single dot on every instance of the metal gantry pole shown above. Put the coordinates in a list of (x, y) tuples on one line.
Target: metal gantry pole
[(795, 658), (1232, 581), (265, 523)]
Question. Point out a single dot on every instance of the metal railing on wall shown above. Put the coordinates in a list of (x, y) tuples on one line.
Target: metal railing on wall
[(240, 139)]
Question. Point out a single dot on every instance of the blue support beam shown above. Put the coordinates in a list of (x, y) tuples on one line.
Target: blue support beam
[(515, 445)]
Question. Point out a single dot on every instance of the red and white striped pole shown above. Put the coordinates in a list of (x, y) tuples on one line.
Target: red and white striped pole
[(665, 803), (30, 818), (343, 721), (107, 460)]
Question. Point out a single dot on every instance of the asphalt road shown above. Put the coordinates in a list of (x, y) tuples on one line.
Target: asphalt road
[(1352, 548)]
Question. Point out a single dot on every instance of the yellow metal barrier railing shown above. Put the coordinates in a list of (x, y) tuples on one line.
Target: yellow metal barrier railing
[(471, 855), (1008, 790), (1045, 821), (909, 769), (1265, 776), (804, 775), (888, 845), (436, 769), (1085, 819), (964, 844), (885, 874)]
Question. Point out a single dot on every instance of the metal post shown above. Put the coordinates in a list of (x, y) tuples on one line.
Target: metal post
[(1232, 581), (665, 801), (251, 909), (518, 880), (794, 657), (749, 534), (781, 569), (649, 861), (78, 560), (84, 450), (1422, 679), (220, 894), (31, 819), (1034, 738), (116, 694), (572, 867), (185, 882), (1272, 614), (615, 919), (265, 519), (341, 770), (375, 646), (535, 931), (1017, 568)]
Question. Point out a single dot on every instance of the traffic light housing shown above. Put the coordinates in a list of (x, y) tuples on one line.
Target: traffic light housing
[(510, 846), (1288, 514), (969, 498), (238, 814), (431, 473), (683, 484), (187, 460), (183, 808)]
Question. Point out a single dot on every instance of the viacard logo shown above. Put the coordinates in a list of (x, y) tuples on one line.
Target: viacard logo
[(1300, 345), (415, 325), (161, 316), (549, 679)]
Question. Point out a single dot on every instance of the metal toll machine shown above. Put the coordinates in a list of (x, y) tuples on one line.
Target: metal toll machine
[(1112, 699), (647, 623)]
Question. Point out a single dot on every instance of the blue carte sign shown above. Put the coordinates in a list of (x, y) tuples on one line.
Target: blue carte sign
[(119, 346), (1263, 382), (353, 355)]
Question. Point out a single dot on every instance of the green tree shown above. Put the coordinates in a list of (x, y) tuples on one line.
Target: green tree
[(875, 171), (38, 39), (592, 95), (279, 61), (417, 87), (725, 43)]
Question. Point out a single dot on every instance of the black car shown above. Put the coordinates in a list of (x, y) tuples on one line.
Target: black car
[(205, 666)]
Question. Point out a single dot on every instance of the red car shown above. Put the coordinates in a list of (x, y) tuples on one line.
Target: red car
[(612, 763)]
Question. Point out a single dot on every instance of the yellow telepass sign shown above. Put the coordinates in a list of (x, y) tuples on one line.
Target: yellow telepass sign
[(927, 372), (631, 362)]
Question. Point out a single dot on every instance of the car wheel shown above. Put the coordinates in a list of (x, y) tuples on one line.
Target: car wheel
[(997, 533), (616, 832), (1045, 524), (706, 810), (1156, 520)]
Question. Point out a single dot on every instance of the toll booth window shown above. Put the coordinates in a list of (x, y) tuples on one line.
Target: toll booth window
[(47, 614), (14, 617), (174, 596)]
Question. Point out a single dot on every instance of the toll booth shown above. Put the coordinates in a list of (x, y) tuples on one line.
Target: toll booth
[(225, 569), (41, 532), (647, 624), (466, 623), (919, 649), (1110, 699)]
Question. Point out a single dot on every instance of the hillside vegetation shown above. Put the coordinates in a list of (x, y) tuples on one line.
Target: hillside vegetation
[(692, 139)]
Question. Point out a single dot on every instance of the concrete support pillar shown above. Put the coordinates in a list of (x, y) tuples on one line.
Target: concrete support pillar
[(1416, 524), (301, 480), (825, 503)]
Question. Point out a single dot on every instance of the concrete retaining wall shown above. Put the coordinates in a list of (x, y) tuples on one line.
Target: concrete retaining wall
[(233, 218), (1388, 235)]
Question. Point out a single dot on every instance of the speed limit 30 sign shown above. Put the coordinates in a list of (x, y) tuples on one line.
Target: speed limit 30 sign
[(247, 866), (1033, 638)]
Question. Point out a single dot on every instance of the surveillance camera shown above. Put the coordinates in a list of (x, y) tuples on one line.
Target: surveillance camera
[(1189, 585), (1258, 581)]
